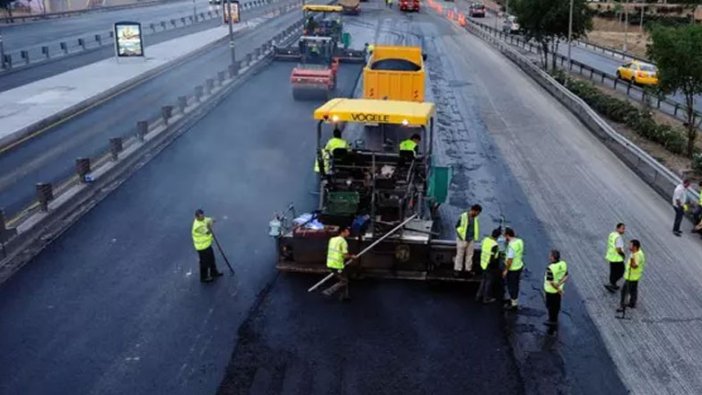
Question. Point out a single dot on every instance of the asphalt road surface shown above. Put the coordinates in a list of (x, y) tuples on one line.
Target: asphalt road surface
[(114, 306), (49, 157)]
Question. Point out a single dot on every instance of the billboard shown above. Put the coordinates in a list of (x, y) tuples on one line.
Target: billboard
[(235, 11), (128, 39)]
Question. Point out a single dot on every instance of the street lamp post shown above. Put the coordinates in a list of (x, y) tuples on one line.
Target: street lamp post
[(231, 31), (570, 37), (626, 23), (2, 53)]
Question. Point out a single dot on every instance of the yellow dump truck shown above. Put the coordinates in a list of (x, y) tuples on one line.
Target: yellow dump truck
[(394, 73)]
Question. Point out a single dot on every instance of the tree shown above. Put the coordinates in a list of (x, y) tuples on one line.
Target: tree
[(677, 51), (546, 22), (7, 5)]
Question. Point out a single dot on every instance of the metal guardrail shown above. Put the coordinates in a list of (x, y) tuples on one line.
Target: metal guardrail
[(37, 54), (610, 51), (60, 49), (666, 105), (67, 14), (659, 177), (93, 174)]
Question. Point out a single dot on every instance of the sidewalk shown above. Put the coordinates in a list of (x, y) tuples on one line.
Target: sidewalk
[(33, 107)]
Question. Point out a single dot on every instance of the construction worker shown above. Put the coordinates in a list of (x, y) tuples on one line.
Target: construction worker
[(202, 239), (489, 261), (388, 3), (411, 144), (514, 264), (697, 215), (467, 234), (310, 26), (615, 256), (337, 254), (634, 269), (554, 284), (680, 205), (335, 142)]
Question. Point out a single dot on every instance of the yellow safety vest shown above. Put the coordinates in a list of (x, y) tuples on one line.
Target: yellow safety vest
[(408, 145), (486, 252), (371, 47), (332, 144), (463, 227), (612, 254), (338, 248), (559, 270), (518, 246), (631, 274), (201, 239)]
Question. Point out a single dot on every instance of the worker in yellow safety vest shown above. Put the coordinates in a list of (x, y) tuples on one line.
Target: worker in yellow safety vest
[(489, 263), (514, 264), (336, 142), (467, 234), (202, 239), (337, 254), (615, 256), (411, 144), (697, 215), (634, 270), (554, 285)]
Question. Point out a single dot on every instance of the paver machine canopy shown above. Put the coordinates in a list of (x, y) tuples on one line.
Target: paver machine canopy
[(323, 20)]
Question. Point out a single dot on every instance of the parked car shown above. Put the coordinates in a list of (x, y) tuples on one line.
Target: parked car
[(638, 73), (510, 25), (477, 10)]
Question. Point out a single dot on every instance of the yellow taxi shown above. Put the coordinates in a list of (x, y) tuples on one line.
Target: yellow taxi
[(638, 73)]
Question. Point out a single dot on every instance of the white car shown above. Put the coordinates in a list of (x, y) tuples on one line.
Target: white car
[(510, 25)]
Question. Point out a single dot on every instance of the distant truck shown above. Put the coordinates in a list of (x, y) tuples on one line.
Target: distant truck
[(409, 5), (394, 73), (350, 7)]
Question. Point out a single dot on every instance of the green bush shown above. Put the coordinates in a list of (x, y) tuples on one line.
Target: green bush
[(622, 111), (697, 162)]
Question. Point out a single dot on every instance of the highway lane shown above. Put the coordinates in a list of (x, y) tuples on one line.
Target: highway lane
[(578, 190), (18, 77), (115, 306), (49, 156), (23, 35), (460, 74)]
